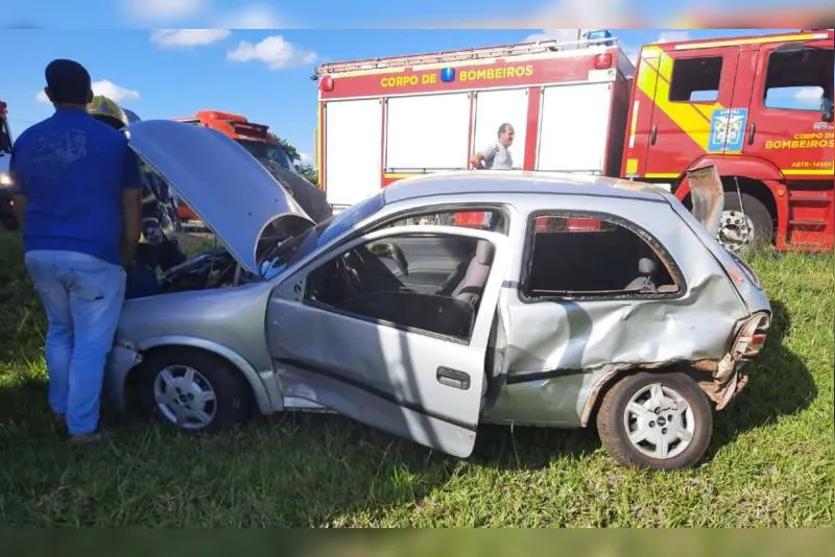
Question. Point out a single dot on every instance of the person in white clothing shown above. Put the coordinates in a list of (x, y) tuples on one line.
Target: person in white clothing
[(496, 155)]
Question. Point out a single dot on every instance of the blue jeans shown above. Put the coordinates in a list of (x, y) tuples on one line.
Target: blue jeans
[(82, 297)]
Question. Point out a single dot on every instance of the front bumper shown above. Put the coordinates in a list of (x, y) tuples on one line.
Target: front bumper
[(121, 360)]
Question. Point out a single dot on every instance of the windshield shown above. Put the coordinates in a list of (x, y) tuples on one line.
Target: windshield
[(293, 250), (268, 152)]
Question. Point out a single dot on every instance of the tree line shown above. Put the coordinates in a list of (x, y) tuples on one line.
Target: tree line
[(306, 169)]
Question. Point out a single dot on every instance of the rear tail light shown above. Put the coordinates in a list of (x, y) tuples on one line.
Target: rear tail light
[(751, 339)]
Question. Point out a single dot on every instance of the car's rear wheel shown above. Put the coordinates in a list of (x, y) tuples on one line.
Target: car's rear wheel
[(659, 421), (193, 390)]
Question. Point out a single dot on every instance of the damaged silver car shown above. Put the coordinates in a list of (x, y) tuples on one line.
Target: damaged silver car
[(574, 300)]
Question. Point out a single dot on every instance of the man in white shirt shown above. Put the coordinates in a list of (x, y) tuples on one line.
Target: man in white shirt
[(496, 155)]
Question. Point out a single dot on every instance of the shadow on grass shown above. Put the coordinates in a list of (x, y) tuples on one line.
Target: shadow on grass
[(293, 470), (779, 384)]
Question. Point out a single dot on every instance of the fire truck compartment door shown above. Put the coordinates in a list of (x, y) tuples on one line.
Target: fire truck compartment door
[(353, 169), (427, 132), (575, 127)]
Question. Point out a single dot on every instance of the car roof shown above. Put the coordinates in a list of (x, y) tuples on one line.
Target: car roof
[(508, 183)]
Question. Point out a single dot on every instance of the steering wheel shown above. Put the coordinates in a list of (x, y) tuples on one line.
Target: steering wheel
[(350, 280), (392, 251)]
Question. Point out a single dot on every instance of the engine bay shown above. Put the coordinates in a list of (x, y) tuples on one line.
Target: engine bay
[(164, 267), (208, 270)]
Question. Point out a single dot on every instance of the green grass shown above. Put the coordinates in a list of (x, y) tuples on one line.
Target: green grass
[(771, 462)]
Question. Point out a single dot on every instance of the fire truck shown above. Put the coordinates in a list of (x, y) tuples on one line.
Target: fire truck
[(256, 138), (584, 107), (7, 218)]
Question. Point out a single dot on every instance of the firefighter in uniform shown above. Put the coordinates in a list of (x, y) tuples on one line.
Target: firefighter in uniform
[(158, 246)]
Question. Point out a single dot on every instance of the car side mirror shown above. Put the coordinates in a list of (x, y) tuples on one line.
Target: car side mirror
[(827, 115)]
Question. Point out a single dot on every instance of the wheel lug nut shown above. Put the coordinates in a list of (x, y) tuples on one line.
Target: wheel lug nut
[(664, 430), (652, 424)]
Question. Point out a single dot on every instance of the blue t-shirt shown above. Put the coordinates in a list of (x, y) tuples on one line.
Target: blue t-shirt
[(72, 170)]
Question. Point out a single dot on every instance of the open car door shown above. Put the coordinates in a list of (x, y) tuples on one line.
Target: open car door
[(392, 330), (707, 195)]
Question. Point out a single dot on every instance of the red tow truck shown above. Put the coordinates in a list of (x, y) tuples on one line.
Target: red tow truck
[(759, 108), (256, 138), (7, 218)]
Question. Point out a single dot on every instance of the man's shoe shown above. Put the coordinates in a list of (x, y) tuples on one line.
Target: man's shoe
[(86, 438)]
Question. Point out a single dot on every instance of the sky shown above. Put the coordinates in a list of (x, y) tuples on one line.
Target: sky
[(240, 63)]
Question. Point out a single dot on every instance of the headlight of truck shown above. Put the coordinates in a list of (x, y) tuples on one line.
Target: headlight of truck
[(5, 180)]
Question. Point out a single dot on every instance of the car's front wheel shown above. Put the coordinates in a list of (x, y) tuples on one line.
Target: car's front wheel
[(193, 390), (659, 421)]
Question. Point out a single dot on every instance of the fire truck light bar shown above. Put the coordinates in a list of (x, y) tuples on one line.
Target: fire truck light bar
[(256, 130), (594, 38)]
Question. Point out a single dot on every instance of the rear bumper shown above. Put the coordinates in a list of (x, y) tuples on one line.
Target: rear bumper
[(730, 373), (725, 389)]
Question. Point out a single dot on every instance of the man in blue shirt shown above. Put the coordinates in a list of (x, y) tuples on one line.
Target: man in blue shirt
[(77, 198)]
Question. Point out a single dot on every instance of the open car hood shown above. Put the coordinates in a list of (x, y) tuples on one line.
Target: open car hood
[(226, 187), (707, 196)]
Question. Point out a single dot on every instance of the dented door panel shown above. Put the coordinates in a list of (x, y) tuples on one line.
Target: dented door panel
[(559, 350)]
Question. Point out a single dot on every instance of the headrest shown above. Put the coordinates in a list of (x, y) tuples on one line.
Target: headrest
[(646, 266)]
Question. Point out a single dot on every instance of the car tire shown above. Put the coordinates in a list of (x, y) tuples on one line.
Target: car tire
[(759, 220), (617, 418), (229, 401)]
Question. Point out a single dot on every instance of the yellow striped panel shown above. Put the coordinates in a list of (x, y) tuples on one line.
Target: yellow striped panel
[(661, 175), (654, 81), (806, 172), (319, 138), (752, 40)]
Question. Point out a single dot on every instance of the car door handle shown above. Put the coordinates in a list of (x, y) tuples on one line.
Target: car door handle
[(453, 378), (653, 135), (751, 131)]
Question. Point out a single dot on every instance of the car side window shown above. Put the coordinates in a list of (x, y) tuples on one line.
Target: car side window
[(799, 80), (426, 282), (594, 256), (489, 219)]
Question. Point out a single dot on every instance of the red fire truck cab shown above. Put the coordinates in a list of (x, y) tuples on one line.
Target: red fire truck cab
[(760, 109), (742, 104)]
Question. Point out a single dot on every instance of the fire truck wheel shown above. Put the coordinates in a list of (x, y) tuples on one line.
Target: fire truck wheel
[(745, 228)]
